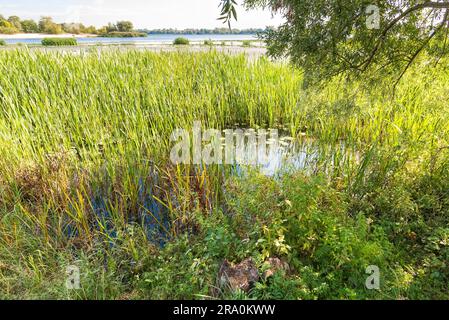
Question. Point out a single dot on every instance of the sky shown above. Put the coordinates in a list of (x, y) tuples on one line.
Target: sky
[(151, 14)]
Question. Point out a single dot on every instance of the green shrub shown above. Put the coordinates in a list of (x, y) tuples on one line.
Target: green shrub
[(306, 222), (208, 42), (2, 42), (59, 42), (246, 43), (182, 270), (181, 41)]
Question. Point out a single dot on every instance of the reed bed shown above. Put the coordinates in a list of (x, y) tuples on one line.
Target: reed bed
[(85, 141)]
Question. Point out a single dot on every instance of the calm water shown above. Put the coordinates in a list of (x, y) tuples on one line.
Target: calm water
[(290, 154), (151, 39), (285, 156)]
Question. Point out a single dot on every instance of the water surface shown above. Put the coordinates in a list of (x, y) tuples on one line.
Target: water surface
[(151, 39)]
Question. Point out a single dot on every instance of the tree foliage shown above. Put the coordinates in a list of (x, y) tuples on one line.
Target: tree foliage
[(228, 11), (328, 37), (30, 26), (46, 25), (78, 28), (125, 26), (15, 22), (6, 27)]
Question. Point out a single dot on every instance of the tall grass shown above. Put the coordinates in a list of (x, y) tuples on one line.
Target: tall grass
[(85, 141)]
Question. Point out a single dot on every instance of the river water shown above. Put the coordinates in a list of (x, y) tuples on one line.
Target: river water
[(151, 39)]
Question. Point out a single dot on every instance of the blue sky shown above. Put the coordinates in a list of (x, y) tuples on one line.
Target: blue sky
[(144, 13)]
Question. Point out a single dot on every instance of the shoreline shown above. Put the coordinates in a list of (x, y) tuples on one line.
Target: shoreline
[(22, 36), (221, 37)]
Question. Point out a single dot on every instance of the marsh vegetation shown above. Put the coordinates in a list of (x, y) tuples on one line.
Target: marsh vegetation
[(85, 179)]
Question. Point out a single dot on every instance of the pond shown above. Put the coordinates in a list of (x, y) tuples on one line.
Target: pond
[(287, 154), (282, 155)]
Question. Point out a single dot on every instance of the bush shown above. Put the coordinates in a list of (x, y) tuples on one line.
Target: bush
[(181, 41), (59, 42), (306, 222), (2, 42), (246, 43), (208, 42), (119, 34)]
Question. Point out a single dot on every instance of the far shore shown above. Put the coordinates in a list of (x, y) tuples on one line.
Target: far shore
[(43, 35)]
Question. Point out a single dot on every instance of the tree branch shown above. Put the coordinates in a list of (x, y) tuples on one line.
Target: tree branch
[(417, 52), (430, 4)]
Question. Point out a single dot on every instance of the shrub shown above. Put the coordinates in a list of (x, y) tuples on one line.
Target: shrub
[(181, 41), (246, 43), (59, 42), (306, 222), (208, 42), (2, 42)]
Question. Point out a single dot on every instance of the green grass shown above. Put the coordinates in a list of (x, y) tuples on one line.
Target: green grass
[(59, 42), (246, 43), (73, 127), (2, 42), (181, 41)]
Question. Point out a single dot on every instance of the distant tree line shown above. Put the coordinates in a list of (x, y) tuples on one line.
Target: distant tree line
[(46, 25), (203, 31)]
